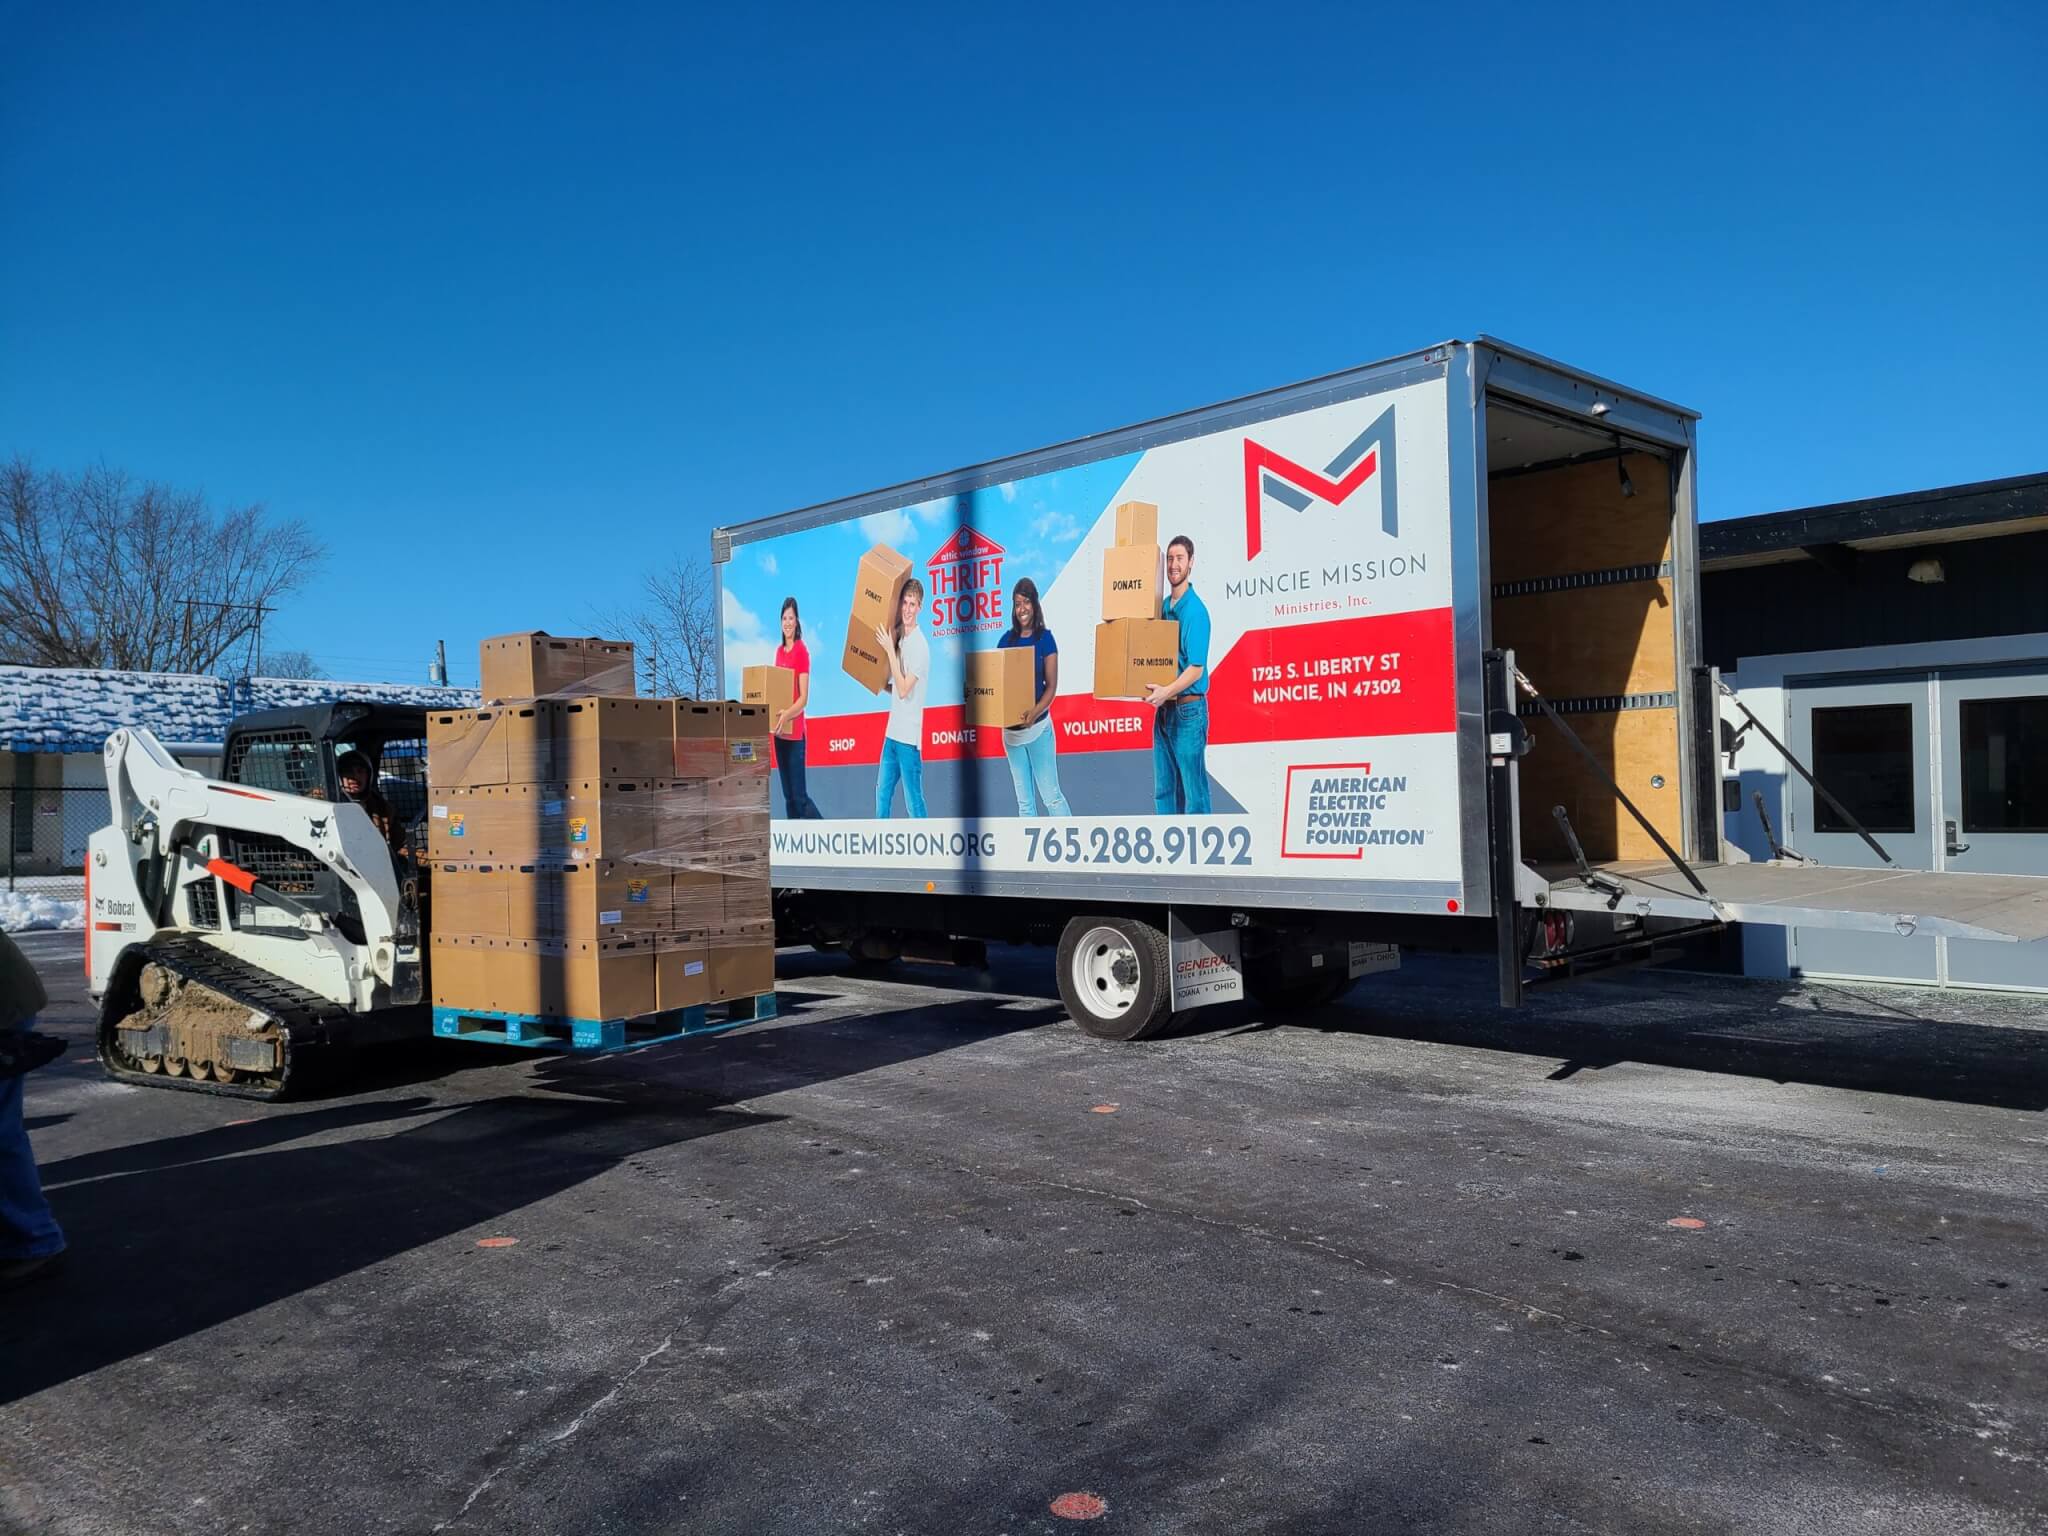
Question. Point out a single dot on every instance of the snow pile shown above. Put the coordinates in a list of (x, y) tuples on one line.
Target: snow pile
[(26, 911), (72, 709)]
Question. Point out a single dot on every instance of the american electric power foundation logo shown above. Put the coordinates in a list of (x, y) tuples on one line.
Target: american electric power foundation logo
[(1272, 475), (966, 582)]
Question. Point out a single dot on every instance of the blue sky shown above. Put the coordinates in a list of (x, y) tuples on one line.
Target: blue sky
[(511, 302)]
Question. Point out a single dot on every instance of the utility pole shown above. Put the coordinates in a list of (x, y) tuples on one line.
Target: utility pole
[(438, 673), (256, 642), (653, 671)]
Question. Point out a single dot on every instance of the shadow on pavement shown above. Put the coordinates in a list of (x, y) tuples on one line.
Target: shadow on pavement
[(173, 1237)]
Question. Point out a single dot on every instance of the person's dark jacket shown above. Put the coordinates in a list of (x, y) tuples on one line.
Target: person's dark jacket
[(21, 998)]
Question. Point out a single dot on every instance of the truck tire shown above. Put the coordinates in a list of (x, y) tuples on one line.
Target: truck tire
[(1114, 977)]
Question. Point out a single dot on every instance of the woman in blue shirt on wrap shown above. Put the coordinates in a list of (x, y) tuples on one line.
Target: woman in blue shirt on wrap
[(1033, 747)]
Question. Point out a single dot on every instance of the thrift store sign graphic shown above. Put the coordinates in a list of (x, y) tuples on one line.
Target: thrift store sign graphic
[(965, 585)]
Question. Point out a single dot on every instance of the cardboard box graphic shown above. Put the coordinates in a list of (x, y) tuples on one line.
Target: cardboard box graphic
[(877, 585), (1132, 653), (862, 660), (1001, 686), (474, 748), (772, 687), (612, 738), (1133, 579), (538, 665), (1137, 522)]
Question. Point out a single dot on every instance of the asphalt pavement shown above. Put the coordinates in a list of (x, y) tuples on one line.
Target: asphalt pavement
[(1657, 1254)]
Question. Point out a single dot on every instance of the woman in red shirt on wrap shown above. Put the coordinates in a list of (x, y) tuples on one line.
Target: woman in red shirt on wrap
[(789, 725)]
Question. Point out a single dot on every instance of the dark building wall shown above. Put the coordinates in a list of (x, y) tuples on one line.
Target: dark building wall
[(1995, 587)]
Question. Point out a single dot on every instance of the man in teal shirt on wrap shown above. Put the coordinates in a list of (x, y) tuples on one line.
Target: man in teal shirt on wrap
[(1180, 732)]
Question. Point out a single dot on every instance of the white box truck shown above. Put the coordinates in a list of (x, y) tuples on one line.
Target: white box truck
[(1404, 656)]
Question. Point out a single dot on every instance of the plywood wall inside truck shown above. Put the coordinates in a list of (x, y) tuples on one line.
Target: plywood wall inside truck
[(1638, 746), (1612, 633), (1574, 519)]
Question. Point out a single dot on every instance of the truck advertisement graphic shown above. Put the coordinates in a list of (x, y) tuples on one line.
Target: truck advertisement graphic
[(1223, 658)]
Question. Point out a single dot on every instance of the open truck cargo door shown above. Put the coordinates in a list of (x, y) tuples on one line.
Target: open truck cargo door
[(1907, 902)]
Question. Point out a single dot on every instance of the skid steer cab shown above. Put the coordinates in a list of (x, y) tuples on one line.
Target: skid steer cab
[(243, 929)]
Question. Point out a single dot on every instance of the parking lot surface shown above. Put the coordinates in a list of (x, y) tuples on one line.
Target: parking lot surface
[(1658, 1254)]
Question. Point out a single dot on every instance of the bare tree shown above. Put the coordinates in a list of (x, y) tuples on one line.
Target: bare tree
[(99, 570), (674, 630), (291, 664)]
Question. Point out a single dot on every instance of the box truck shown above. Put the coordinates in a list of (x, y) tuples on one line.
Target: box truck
[(1407, 656)]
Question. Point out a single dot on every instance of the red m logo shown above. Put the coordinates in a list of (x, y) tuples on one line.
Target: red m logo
[(1267, 473)]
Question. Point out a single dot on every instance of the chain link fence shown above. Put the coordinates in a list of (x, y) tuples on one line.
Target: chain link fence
[(43, 832)]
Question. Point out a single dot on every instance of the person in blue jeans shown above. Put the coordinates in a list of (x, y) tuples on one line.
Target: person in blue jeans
[(910, 666), (31, 1242), (1032, 748), (1180, 733)]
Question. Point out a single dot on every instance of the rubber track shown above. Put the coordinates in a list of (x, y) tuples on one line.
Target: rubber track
[(307, 1020)]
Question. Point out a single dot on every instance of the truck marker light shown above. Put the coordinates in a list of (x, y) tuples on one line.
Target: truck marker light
[(1451, 905)]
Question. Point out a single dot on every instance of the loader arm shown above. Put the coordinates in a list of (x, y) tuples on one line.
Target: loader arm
[(171, 837)]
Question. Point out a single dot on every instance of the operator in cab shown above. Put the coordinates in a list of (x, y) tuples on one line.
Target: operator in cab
[(359, 783)]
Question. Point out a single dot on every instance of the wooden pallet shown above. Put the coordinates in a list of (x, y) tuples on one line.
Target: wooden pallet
[(596, 1036)]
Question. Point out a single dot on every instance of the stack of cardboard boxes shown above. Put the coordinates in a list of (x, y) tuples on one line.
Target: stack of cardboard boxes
[(1134, 647), (595, 856)]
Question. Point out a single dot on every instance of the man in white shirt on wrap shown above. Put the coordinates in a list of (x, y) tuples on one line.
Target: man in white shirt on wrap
[(910, 666)]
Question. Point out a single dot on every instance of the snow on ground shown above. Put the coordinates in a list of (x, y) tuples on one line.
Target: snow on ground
[(26, 911)]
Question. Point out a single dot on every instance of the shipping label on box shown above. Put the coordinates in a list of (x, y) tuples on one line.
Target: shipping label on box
[(773, 688), (613, 738), (1133, 577), (878, 587), (533, 665), (862, 660), (1132, 654), (1001, 686), (1137, 522)]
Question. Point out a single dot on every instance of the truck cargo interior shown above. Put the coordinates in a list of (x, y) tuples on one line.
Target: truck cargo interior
[(1579, 546)]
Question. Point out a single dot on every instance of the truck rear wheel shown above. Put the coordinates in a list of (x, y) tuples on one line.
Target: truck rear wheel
[(1114, 977)]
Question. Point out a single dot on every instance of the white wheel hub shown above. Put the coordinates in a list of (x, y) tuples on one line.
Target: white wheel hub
[(1105, 972)]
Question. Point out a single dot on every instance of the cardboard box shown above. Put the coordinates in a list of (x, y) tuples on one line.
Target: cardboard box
[(698, 730), (475, 748), (612, 738), (496, 823), (862, 660), (747, 900), (607, 979), (470, 900), (533, 665), (608, 668), (682, 974), (741, 964), (1137, 522), (538, 665), (1132, 653), (696, 901), (774, 688), (746, 739), (526, 976), (609, 819), (1133, 579), (607, 899), (459, 971), (1001, 686), (878, 587)]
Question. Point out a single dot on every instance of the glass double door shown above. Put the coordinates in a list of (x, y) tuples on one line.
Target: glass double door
[(1948, 770)]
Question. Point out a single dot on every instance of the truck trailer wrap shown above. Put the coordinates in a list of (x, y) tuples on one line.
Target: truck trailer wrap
[(1407, 655)]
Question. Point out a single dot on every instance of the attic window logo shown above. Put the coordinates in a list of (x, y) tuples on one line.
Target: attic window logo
[(1272, 476), (966, 582)]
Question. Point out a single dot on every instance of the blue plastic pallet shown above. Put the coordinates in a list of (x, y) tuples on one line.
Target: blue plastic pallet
[(553, 1032)]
